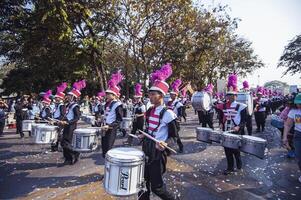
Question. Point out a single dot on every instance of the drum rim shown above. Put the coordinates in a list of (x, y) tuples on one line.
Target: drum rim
[(246, 137), (48, 128)]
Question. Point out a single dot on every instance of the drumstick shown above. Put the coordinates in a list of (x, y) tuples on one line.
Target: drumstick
[(155, 140), (134, 136)]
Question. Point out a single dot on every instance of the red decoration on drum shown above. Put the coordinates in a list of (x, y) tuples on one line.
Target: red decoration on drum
[(158, 79), (175, 86), (113, 83), (77, 87), (60, 91), (138, 92), (46, 98)]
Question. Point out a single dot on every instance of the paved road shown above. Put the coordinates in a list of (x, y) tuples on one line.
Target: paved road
[(30, 171)]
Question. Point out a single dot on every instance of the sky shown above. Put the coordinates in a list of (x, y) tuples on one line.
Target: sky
[(269, 25)]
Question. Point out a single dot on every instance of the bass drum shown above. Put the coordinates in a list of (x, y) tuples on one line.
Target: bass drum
[(246, 98), (201, 101)]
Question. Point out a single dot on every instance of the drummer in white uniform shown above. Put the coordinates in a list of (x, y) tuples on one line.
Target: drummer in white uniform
[(234, 119), (161, 124), (206, 117), (70, 122), (176, 106), (98, 109), (139, 112), (59, 111), (246, 88), (46, 113), (113, 113), (260, 104)]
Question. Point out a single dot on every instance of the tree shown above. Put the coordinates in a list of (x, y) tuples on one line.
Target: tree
[(291, 57)]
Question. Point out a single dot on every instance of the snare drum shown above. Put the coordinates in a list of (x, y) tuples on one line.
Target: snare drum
[(34, 128), (253, 145), (124, 171), (215, 136), (90, 119), (45, 134), (203, 134), (84, 140), (230, 140), (26, 125), (127, 123)]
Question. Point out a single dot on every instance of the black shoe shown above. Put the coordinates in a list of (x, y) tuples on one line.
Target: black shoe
[(67, 162), (180, 150), (257, 130), (263, 130), (76, 158), (228, 171)]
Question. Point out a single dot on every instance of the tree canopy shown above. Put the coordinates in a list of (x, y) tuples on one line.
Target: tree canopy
[(291, 57), (50, 41)]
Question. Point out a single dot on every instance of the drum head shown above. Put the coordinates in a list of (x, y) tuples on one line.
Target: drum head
[(48, 127), (231, 135), (206, 101), (253, 138), (89, 130), (204, 129), (125, 154), (127, 118)]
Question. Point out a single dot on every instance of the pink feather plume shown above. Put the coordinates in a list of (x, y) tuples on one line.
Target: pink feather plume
[(115, 79), (162, 74), (232, 81), (47, 94), (176, 84), (245, 84), (61, 88), (79, 85), (138, 88), (101, 94)]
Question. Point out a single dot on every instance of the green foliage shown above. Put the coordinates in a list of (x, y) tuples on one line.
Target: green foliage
[(291, 58), (49, 41)]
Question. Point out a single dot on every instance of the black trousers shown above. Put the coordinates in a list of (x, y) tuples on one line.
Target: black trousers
[(230, 155), (107, 141), (137, 125), (2, 124), (155, 167), (19, 127), (248, 125), (260, 120), (206, 118), (68, 153)]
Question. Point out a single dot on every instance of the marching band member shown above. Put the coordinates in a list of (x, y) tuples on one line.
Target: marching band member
[(260, 110), (160, 123), (176, 106), (70, 122), (294, 118), (234, 119), (98, 109), (184, 102), (113, 113), (46, 111), (139, 112), (21, 108), (59, 111), (206, 117), (246, 88)]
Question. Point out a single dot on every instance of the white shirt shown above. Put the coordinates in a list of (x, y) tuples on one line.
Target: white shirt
[(295, 114), (233, 114), (110, 114), (175, 105), (162, 130)]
